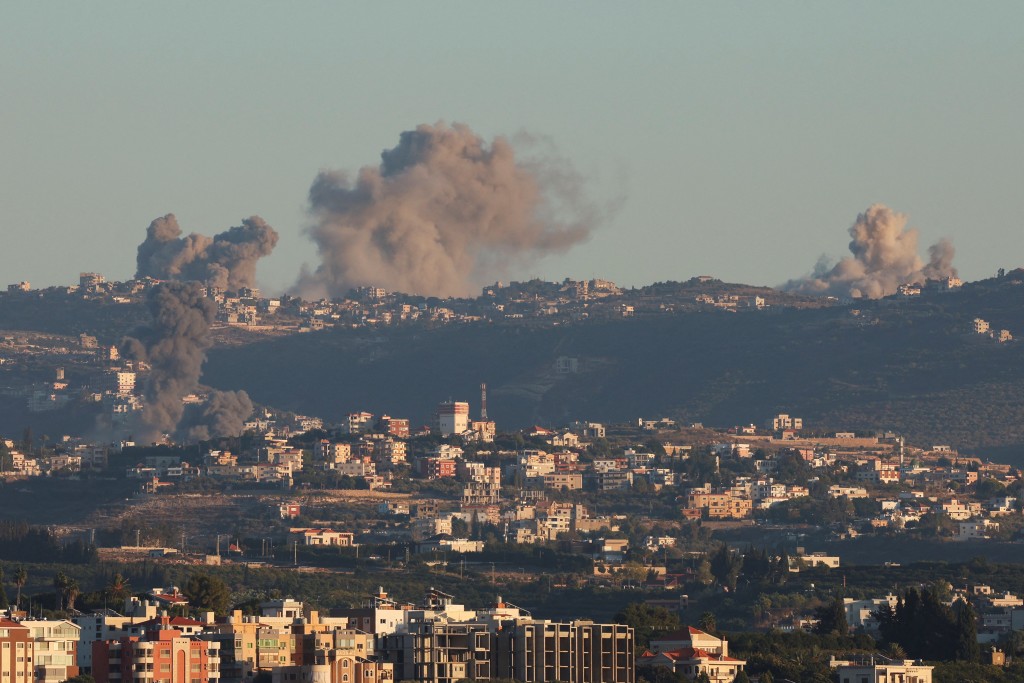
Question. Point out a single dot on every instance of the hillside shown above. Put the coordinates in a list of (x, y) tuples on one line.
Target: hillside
[(910, 365)]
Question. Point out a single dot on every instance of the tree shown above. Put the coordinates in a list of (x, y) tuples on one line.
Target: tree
[(80, 678), (647, 621), (741, 677), (966, 647), (707, 623), (60, 584), (4, 602), (72, 591), (20, 579), (118, 589), (725, 566), (832, 618), (460, 529), (702, 677), (208, 593), (704, 575), (767, 677)]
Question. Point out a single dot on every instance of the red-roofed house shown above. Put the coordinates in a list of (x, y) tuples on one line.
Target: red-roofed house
[(168, 597), (690, 652)]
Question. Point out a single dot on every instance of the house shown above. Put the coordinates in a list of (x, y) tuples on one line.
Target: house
[(322, 537), (976, 529), (691, 652), (446, 543), (878, 669)]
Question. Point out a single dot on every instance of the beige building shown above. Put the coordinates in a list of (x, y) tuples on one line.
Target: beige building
[(880, 670)]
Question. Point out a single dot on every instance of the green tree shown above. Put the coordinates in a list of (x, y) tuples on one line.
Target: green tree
[(702, 677), (832, 618), (725, 566), (118, 589), (647, 621), (704, 575), (60, 584), (80, 678), (208, 593), (966, 647), (4, 602), (20, 579), (707, 622), (741, 677)]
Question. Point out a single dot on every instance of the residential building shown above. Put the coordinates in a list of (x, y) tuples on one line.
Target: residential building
[(16, 652), (162, 654), (55, 649), (878, 669), (691, 652), (452, 417)]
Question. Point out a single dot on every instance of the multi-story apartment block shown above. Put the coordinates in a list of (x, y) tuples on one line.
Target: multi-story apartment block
[(16, 652), (162, 654), (720, 505), (55, 649)]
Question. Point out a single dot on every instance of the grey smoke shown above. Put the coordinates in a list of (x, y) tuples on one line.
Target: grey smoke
[(223, 414), (884, 255), (174, 346), (443, 211), (227, 260)]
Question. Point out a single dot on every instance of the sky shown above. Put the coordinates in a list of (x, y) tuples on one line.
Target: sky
[(735, 139)]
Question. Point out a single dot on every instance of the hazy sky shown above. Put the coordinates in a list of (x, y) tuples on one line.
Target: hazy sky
[(744, 137)]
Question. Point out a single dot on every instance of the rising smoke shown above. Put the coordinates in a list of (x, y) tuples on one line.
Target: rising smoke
[(441, 214), (223, 414), (227, 260), (884, 256), (174, 346)]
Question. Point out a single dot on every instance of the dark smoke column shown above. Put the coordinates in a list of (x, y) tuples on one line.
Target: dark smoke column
[(227, 260), (174, 345), (442, 211)]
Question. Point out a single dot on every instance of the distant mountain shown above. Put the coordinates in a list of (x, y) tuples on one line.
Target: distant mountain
[(912, 365)]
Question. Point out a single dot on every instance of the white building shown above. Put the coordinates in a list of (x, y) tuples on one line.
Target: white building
[(452, 418), (880, 670)]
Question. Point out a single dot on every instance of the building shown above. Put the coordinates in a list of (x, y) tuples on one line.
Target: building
[(452, 418), (55, 649), (783, 422), (878, 669), (691, 652), (325, 537), (162, 654), (16, 652)]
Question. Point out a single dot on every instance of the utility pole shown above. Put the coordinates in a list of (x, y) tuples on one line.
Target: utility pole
[(218, 545), (295, 550)]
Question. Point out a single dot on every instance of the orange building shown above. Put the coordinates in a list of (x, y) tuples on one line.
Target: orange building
[(16, 653), (161, 655)]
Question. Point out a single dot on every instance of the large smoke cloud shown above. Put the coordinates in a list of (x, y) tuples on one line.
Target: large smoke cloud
[(174, 345), (442, 213), (227, 260), (223, 414), (884, 256)]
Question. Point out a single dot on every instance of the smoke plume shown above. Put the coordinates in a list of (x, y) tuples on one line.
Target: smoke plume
[(884, 256), (227, 260), (174, 346), (441, 213), (223, 414)]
